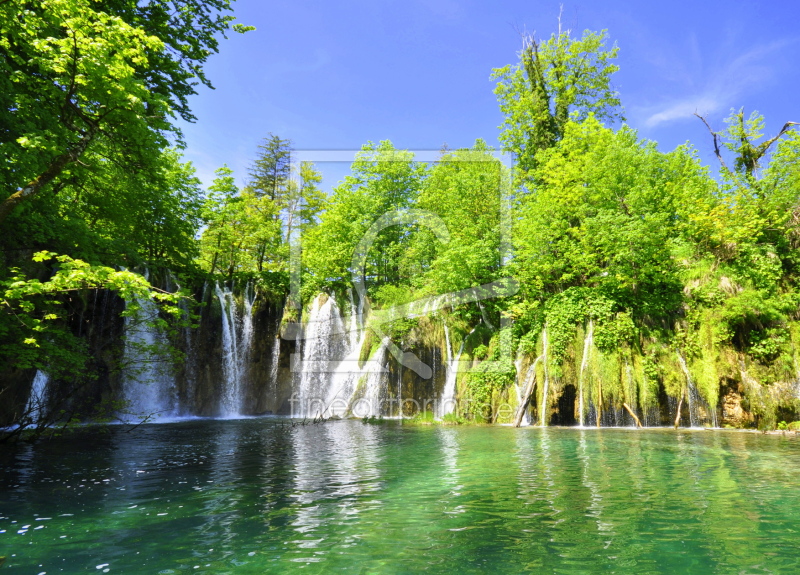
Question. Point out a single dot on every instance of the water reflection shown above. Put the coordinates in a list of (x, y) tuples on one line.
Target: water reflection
[(261, 496), (448, 444), (336, 471)]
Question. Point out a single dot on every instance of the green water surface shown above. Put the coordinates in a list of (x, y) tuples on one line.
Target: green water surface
[(260, 496)]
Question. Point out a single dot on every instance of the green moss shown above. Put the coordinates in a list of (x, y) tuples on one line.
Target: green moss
[(427, 418), (368, 346), (422, 418), (482, 386), (372, 420)]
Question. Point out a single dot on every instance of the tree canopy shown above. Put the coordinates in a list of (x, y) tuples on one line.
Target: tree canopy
[(86, 75), (636, 255)]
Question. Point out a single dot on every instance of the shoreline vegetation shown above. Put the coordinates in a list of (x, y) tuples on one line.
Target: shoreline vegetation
[(627, 283)]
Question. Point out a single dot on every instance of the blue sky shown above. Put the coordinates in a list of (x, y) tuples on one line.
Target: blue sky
[(334, 75)]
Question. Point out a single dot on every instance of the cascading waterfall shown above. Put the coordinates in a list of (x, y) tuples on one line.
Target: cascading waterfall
[(276, 354), (543, 410), (344, 380), (376, 376), (587, 347), (355, 320), (235, 351), (522, 384), (400, 400), (230, 364), (691, 394), (346, 374), (325, 344), (37, 401), (148, 386), (447, 403), (695, 400), (331, 383), (692, 397), (247, 324)]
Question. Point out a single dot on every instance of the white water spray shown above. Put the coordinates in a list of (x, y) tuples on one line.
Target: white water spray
[(447, 403), (148, 386), (233, 351), (37, 401), (587, 348), (543, 410), (522, 383)]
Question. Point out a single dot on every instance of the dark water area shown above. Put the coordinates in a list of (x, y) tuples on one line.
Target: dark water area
[(261, 496)]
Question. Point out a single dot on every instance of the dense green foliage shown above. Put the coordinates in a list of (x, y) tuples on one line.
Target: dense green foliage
[(90, 91), (650, 273), (556, 81)]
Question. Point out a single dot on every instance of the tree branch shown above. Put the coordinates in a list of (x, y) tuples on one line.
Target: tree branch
[(48, 175), (715, 136), (764, 146)]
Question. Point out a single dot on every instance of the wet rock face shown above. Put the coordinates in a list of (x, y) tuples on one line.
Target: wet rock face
[(268, 377), (93, 316), (733, 414), (417, 394), (266, 384), (16, 385), (197, 380)]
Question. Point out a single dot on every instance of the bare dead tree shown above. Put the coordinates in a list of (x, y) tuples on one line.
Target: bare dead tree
[(749, 155)]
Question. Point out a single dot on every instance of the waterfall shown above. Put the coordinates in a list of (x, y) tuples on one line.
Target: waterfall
[(587, 347), (235, 351), (187, 398), (247, 324), (520, 385), (447, 403), (375, 383), (230, 364), (692, 396), (543, 410), (331, 382), (37, 401), (325, 344), (344, 380), (355, 319), (275, 355), (400, 390), (148, 386)]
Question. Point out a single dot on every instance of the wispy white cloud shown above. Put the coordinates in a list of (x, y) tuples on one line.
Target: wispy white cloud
[(722, 88), (702, 104)]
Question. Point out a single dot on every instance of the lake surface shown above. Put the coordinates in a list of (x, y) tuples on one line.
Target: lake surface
[(260, 496)]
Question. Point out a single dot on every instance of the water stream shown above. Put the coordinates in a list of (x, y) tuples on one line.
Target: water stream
[(544, 410), (331, 381), (447, 403), (695, 401), (148, 382), (521, 384), (231, 354), (36, 407), (587, 348)]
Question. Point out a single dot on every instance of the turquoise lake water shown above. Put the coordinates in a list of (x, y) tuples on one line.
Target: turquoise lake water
[(260, 496)]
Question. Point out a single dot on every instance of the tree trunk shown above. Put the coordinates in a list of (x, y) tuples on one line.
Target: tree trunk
[(633, 415), (525, 397), (587, 343), (599, 403), (678, 417)]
